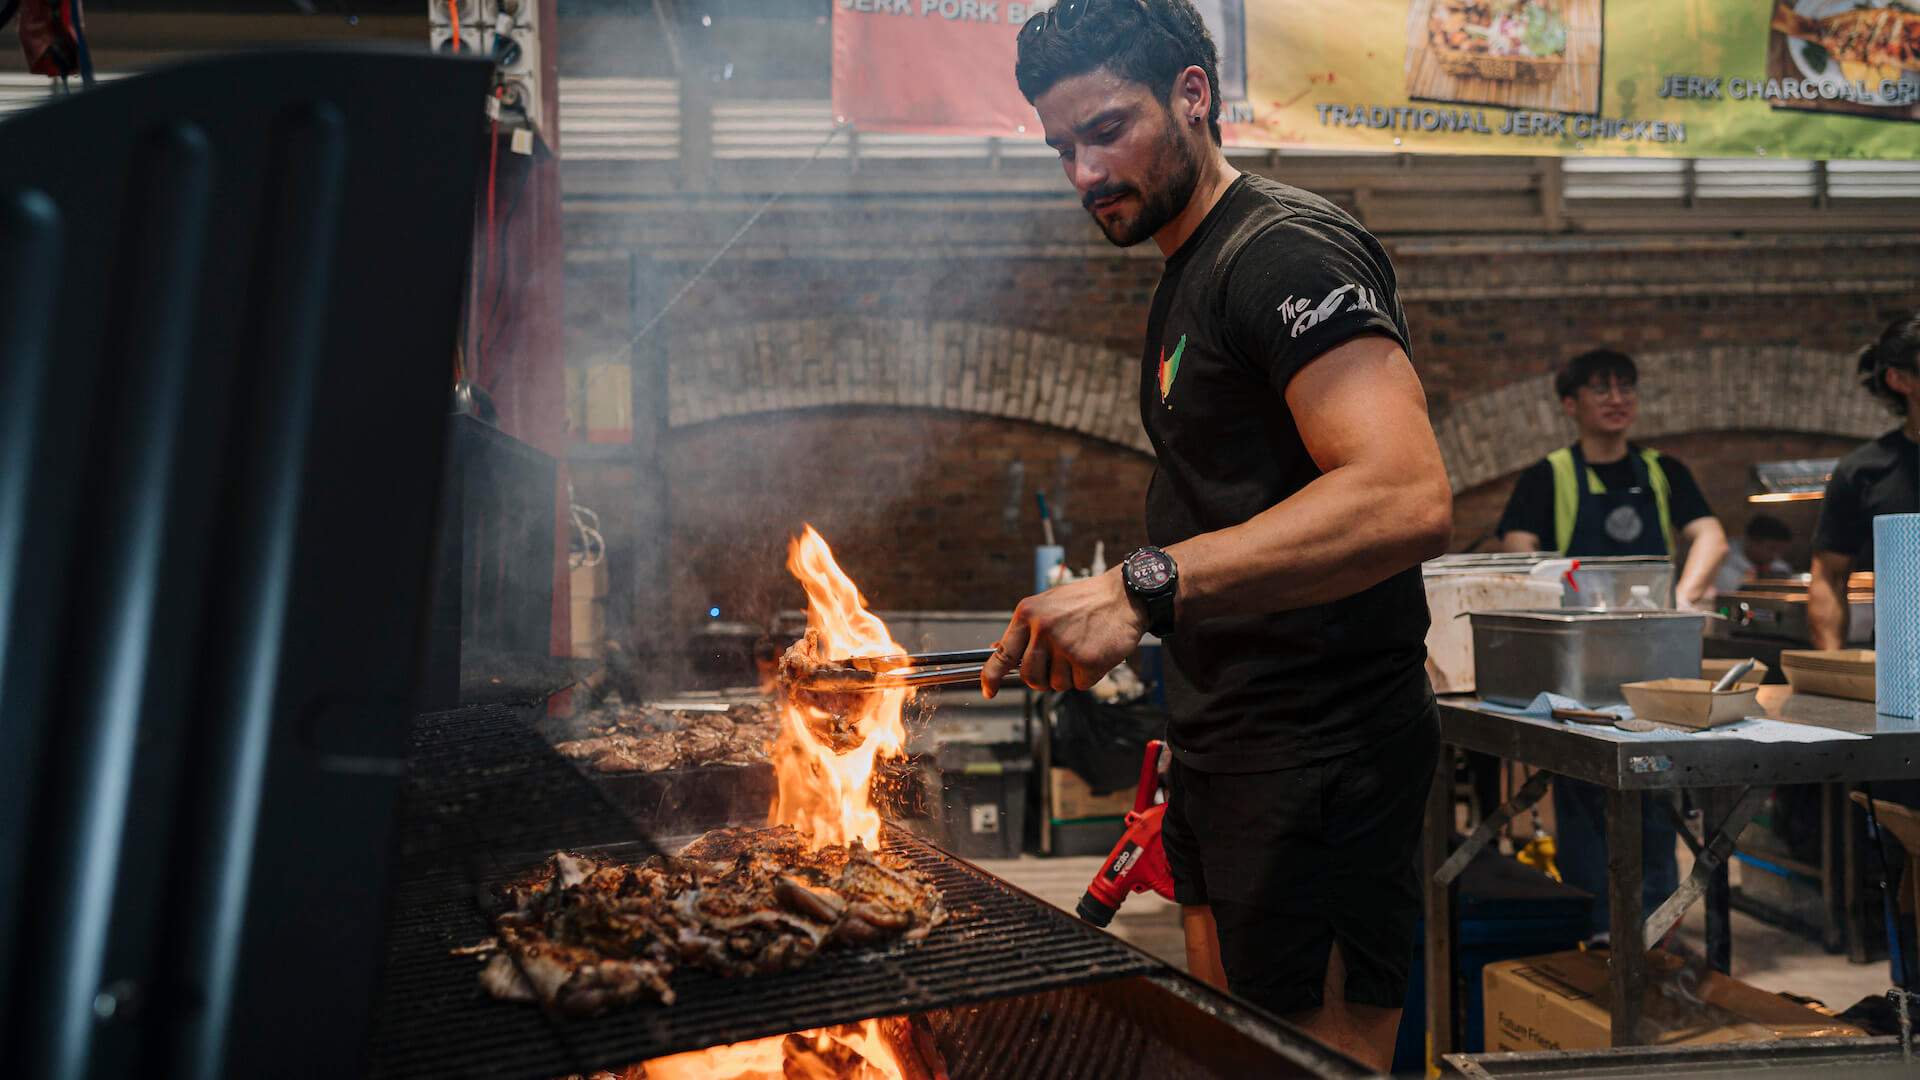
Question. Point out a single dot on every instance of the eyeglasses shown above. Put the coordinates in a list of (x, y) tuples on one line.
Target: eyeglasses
[(1626, 391), (1067, 15)]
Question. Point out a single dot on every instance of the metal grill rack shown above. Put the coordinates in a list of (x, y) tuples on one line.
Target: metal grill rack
[(487, 794)]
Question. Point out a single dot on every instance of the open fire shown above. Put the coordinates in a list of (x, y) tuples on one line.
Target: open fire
[(884, 1049), (829, 744)]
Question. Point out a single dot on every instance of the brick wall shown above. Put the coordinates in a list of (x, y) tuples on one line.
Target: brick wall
[(924, 510), (879, 368)]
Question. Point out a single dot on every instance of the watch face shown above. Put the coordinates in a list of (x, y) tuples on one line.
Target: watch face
[(1149, 570)]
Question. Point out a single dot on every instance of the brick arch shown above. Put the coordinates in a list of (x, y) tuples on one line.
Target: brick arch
[(959, 366), (1682, 392)]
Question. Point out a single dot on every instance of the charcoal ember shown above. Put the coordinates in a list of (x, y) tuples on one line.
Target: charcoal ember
[(581, 934)]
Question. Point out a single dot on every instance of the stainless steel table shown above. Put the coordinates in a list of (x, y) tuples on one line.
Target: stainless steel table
[(1733, 776)]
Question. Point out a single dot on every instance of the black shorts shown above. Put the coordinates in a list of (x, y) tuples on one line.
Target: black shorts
[(1295, 860)]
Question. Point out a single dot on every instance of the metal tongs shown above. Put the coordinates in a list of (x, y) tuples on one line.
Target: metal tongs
[(902, 670)]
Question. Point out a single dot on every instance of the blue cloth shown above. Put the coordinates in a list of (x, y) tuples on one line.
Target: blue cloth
[(1580, 822)]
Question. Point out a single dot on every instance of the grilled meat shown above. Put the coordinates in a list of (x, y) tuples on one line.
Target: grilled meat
[(628, 739), (828, 693), (581, 934), (1885, 40)]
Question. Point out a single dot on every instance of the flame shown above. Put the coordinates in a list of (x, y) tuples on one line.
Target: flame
[(825, 793), (849, 1052)]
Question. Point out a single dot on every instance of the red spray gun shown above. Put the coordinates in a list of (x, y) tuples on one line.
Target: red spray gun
[(1138, 862)]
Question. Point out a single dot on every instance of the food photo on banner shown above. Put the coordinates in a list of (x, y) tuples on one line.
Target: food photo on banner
[(1778, 79), (1518, 54), (1873, 50)]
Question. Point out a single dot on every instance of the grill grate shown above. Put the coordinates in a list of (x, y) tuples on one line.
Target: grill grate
[(487, 795)]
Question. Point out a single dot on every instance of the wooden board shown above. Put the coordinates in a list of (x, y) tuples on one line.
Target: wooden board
[(1577, 90)]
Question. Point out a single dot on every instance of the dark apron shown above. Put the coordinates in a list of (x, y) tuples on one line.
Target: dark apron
[(1616, 522)]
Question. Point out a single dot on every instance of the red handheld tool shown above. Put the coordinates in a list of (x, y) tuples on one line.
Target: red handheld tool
[(1138, 862)]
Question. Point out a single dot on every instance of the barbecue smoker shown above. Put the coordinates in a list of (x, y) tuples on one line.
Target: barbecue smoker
[(1007, 986)]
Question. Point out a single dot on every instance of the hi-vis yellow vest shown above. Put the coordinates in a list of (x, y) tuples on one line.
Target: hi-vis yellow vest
[(1566, 495)]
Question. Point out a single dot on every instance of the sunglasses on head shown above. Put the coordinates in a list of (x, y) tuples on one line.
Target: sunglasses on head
[(1067, 15)]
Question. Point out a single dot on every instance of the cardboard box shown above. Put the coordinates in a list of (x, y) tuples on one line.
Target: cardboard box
[(1560, 1002), (1071, 798)]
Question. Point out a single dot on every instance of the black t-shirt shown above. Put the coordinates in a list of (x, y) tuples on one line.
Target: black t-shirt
[(1530, 507), (1882, 477), (1273, 278)]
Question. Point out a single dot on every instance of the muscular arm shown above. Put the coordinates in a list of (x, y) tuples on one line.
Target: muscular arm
[(1381, 504), (1706, 550), (1826, 599)]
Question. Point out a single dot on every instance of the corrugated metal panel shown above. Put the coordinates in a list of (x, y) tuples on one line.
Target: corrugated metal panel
[(619, 119), (1624, 178), (1873, 179), (1722, 178), (749, 129)]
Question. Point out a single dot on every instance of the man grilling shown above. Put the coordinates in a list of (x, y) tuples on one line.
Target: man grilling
[(1299, 486)]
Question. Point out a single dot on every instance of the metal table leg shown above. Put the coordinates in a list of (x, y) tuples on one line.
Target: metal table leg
[(1442, 1015), (1627, 958), (1484, 833), (1727, 815), (1832, 907)]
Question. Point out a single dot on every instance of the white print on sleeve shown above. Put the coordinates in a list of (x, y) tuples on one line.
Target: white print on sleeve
[(1307, 317)]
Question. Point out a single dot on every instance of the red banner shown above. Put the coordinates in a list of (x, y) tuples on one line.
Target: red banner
[(930, 67)]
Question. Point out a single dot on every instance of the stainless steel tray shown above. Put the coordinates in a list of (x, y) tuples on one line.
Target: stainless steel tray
[(1582, 654)]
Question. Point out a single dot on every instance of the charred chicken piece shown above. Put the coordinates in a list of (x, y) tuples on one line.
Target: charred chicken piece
[(581, 934)]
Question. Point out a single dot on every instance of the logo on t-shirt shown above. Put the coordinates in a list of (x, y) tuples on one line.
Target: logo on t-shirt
[(1307, 317), (1170, 369)]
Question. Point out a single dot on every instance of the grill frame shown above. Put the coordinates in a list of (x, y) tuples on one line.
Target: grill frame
[(485, 794)]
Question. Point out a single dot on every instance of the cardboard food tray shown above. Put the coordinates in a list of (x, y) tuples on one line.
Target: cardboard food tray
[(1690, 703), (1841, 673)]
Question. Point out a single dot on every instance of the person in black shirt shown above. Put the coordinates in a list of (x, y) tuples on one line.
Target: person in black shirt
[(1606, 496), (1882, 477), (1299, 486)]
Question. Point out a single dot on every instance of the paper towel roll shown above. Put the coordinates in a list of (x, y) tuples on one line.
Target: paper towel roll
[(1896, 613)]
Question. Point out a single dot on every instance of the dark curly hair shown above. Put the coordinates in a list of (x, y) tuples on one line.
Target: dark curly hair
[(1898, 347), (1126, 37)]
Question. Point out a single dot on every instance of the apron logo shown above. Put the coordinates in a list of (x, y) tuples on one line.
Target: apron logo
[(1624, 525), (1170, 369)]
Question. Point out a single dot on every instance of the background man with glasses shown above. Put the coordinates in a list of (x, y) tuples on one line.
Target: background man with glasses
[(1297, 489), (1602, 496)]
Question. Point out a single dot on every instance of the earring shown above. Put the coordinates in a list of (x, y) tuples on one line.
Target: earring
[(1193, 119)]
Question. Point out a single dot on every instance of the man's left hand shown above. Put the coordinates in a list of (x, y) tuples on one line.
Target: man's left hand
[(1068, 637)]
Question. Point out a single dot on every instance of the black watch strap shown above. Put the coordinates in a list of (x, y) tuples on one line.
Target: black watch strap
[(1160, 615)]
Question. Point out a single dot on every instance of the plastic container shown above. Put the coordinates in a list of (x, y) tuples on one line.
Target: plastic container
[(979, 795)]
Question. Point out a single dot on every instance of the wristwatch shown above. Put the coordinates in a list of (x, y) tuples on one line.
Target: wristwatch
[(1150, 574)]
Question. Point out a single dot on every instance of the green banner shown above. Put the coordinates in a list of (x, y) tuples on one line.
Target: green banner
[(1807, 79)]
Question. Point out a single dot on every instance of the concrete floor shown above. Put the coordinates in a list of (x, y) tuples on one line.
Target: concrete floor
[(1765, 956)]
